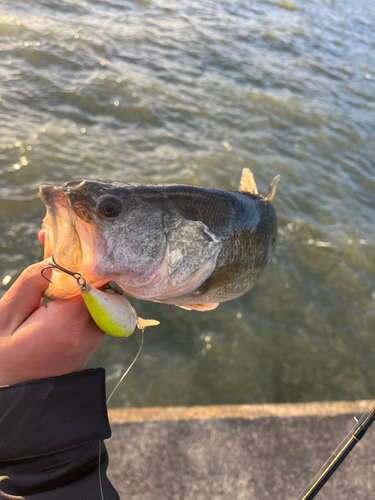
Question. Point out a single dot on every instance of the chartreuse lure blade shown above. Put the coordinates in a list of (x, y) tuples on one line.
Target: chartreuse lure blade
[(113, 313)]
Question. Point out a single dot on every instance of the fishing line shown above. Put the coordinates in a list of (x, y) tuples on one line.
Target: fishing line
[(100, 477), (109, 397), (131, 365)]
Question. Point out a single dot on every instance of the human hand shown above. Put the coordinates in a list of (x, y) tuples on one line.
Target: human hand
[(39, 341)]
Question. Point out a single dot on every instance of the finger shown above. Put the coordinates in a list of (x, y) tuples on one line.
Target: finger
[(94, 334), (68, 330), (42, 236), (23, 297), (76, 322)]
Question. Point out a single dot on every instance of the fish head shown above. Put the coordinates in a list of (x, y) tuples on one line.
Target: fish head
[(92, 228), (108, 231)]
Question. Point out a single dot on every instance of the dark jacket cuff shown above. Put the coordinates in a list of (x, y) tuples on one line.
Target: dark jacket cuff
[(50, 415)]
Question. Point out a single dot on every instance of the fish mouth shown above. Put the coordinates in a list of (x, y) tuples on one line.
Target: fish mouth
[(61, 237)]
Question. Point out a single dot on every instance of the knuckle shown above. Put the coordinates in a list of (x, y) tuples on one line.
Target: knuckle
[(29, 278), (68, 327)]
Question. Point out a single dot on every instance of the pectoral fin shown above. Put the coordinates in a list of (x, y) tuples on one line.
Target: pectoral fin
[(247, 182), (200, 307)]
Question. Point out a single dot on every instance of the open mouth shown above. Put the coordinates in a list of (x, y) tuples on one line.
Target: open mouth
[(61, 237)]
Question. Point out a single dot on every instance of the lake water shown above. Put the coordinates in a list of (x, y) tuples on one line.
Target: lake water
[(155, 91)]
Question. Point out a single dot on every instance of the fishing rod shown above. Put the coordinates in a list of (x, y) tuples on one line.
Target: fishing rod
[(338, 457)]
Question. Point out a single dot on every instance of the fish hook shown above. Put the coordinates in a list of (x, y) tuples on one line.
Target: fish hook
[(80, 279), (116, 290)]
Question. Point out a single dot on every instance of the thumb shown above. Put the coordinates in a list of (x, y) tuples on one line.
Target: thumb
[(23, 297)]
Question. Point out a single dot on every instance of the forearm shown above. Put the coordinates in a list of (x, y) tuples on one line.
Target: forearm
[(50, 430)]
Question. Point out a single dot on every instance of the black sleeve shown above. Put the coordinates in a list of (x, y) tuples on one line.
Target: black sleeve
[(50, 433)]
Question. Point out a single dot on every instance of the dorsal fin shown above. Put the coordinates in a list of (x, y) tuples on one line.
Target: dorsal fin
[(272, 189), (247, 182)]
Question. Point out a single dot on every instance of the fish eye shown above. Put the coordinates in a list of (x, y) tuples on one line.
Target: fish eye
[(110, 207)]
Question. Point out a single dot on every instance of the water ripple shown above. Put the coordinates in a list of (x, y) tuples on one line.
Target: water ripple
[(192, 92)]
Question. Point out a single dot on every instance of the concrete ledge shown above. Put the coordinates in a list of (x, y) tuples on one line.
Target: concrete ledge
[(248, 412), (238, 452)]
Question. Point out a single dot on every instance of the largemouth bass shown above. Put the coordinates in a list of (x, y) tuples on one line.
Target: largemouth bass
[(177, 244)]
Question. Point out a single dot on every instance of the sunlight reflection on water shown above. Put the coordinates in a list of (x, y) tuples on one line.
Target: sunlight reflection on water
[(192, 92)]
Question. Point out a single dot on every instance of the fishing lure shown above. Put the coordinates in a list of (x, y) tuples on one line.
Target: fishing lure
[(113, 313)]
